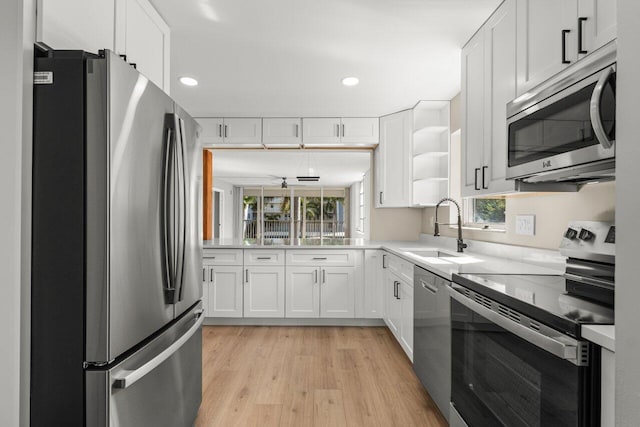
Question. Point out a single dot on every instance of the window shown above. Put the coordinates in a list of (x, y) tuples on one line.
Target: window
[(485, 212), (276, 213), (360, 225)]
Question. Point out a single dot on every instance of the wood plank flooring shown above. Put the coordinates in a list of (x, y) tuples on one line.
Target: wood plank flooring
[(309, 376)]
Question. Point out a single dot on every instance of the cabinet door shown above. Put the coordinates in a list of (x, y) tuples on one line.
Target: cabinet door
[(302, 292), (360, 131), (337, 292), (600, 25), (206, 272), (144, 37), (211, 130), (406, 318), (539, 40), (281, 132), (225, 291), (242, 131), (394, 166), (392, 304), (76, 24), (264, 292), (500, 89), (373, 301), (321, 132), (472, 98)]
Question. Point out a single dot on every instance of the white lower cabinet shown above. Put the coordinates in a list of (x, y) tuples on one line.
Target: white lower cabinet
[(326, 292), (337, 292), (372, 291), (225, 292), (392, 314), (264, 291), (405, 293), (302, 292), (398, 302)]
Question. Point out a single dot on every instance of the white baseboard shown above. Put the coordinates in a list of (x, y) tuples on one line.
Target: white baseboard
[(226, 321)]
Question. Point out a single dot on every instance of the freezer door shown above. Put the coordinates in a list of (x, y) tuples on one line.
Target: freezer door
[(159, 385), (190, 289), (126, 303)]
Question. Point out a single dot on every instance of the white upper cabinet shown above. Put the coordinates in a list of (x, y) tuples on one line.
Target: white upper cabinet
[(76, 24), (360, 131), (144, 37), (488, 84), (597, 24), (393, 161), (128, 27), (472, 99), (338, 132), (321, 132), (546, 39), (282, 132), (231, 132), (244, 131)]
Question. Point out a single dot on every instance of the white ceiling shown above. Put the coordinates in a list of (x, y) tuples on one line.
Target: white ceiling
[(287, 57), (267, 167)]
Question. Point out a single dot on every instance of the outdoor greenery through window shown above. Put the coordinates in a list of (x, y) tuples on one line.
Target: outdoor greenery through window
[(275, 213), (485, 212)]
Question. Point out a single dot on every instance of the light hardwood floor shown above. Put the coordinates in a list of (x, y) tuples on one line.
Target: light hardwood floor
[(309, 376)]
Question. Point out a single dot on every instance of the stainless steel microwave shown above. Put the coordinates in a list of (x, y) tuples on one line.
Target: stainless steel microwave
[(564, 129)]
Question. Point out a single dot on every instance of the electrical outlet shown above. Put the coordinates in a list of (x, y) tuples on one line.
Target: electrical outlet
[(526, 225)]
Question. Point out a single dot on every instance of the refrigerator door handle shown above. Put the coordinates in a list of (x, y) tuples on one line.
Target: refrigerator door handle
[(168, 241), (131, 377), (182, 192)]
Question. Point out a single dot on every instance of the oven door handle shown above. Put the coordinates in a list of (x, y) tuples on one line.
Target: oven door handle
[(561, 345), (596, 117)]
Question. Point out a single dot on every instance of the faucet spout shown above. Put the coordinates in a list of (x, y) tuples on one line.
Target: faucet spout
[(436, 228)]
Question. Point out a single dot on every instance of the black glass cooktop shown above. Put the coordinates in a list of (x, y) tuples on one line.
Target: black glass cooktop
[(543, 298)]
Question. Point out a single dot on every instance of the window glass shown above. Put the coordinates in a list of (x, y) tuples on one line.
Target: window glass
[(486, 211)]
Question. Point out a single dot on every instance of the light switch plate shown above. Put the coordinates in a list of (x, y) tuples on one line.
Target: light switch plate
[(526, 225)]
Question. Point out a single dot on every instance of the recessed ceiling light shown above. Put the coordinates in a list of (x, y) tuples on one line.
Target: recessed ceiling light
[(350, 81), (188, 81)]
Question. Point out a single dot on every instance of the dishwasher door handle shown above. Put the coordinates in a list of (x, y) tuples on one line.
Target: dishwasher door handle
[(429, 286)]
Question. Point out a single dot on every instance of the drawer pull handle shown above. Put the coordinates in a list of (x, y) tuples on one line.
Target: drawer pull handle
[(264, 257), (319, 258)]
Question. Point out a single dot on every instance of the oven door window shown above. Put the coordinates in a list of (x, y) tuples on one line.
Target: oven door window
[(561, 127), (499, 379)]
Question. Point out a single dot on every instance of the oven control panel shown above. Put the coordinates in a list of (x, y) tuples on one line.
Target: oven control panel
[(589, 240)]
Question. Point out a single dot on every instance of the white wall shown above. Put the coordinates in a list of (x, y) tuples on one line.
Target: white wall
[(228, 210), (17, 31), (553, 212), (627, 214)]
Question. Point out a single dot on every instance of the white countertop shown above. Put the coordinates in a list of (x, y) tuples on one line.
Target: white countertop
[(603, 335), (444, 266)]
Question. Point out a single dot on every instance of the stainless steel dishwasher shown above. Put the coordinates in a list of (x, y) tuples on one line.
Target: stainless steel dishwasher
[(432, 336)]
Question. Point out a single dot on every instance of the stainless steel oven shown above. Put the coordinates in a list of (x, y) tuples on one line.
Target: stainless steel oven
[(509, 370), (564, 130)]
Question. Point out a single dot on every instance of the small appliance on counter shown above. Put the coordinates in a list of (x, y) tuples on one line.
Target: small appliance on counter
[(518, 355)]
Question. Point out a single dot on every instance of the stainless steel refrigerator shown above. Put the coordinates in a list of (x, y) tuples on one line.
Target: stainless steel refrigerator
[(117, 249)]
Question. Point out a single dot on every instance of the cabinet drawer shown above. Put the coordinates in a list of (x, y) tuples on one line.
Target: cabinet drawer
[(222, 256), (322, 257), (401, 268), (263, 257)]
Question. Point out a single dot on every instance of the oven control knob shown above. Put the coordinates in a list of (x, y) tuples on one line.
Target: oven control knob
[(571, 233), (586, 235)]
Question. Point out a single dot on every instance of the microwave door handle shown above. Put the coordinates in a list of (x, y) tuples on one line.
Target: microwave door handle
[(596, 117)]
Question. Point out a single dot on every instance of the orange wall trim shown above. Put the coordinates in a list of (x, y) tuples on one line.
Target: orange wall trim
[(207, 196)]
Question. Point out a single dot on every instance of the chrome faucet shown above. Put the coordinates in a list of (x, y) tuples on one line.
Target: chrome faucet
[(436, 229)]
